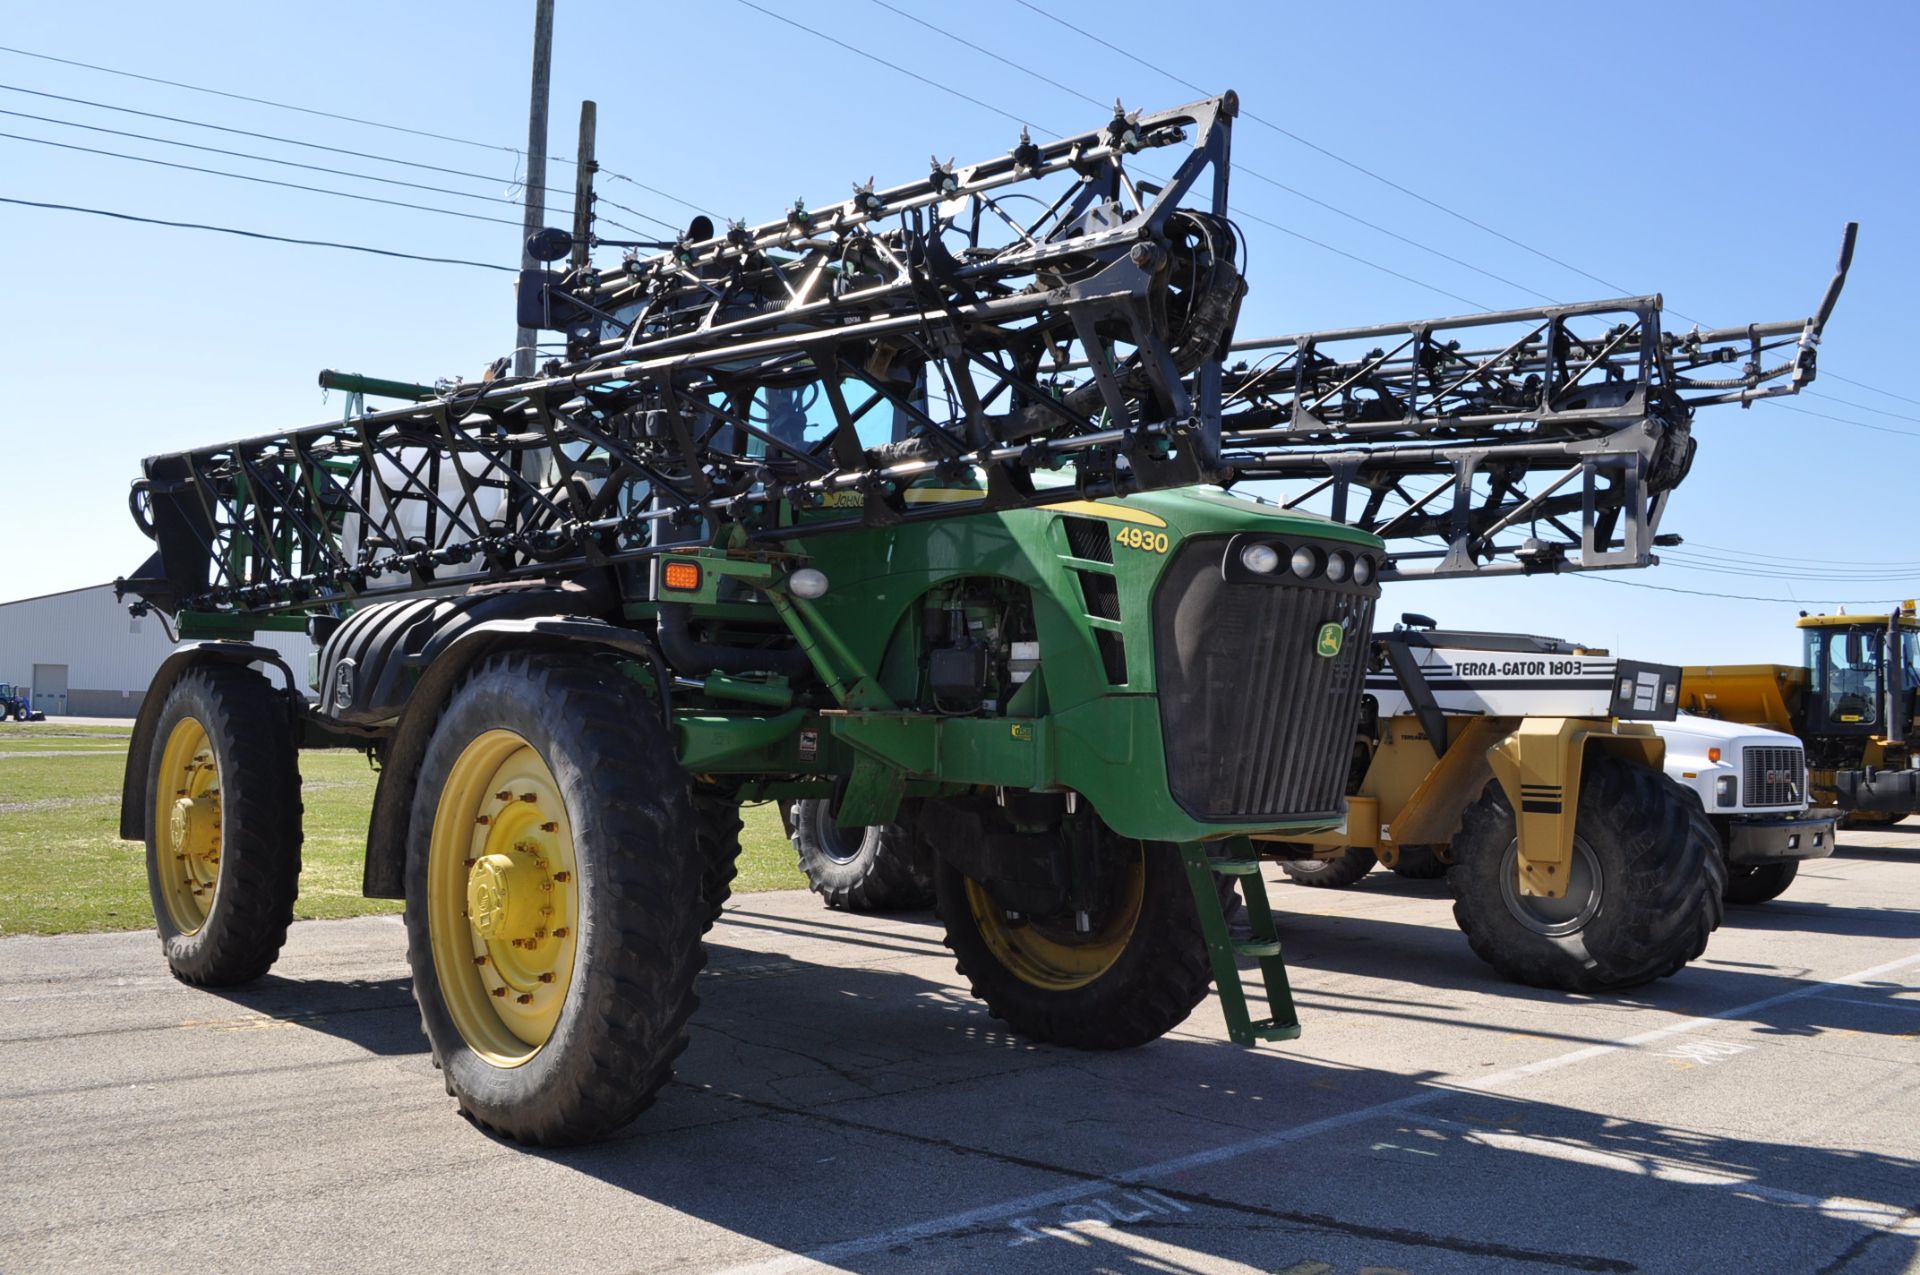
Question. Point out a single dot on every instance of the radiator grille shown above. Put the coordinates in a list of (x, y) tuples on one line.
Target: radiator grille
[(1774, 777), (1258, 724)]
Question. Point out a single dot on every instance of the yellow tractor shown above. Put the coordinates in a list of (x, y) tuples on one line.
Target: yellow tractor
[(1854, 703), (1529, 771)]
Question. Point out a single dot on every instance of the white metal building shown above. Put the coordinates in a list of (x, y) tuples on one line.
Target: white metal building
[(84, 656)]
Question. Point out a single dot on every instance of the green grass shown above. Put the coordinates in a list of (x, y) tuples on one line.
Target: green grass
[(67, 871)]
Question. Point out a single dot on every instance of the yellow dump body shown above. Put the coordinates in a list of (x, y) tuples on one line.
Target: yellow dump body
[(1752, 694)]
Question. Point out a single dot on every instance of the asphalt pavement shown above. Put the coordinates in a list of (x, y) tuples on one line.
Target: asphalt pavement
[(845, 1105)]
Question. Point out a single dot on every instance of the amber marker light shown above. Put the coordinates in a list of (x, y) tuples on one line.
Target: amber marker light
[(683, 577)]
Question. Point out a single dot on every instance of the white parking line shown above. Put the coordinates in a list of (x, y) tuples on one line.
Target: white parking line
[(1890, 1218), (825, 1257)]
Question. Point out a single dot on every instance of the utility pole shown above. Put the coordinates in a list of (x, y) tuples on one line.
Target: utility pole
[(584, 169), (536, 165)]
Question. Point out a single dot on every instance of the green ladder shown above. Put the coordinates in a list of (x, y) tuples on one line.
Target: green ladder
[(1224, 950)]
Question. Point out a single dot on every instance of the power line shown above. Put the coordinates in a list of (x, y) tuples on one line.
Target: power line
[(255, 234), (1876, 389), (335, 150), (1030, 124), (265, 137), (259, 101), (1239, 167), (895, 66), (264, 181), (1333, 155), (1883, 429), (1740, 597), (284, 163), (1878, 411), (1695, 544)]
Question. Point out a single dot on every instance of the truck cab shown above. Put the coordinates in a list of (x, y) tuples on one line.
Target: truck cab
[(1752, 782)]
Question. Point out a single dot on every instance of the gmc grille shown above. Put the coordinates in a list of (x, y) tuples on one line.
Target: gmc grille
[(1774, 777), (1258, 724)]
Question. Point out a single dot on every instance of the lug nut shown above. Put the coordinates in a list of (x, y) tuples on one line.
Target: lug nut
[(481, 819), (526, 796), (550, 827), (479, 960), (503, 795), (525, 998), (546, 978), (499, 991), (560, 933), (563, 876)]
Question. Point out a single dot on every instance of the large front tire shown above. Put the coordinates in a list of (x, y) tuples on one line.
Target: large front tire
[(1644, 890), (1137, 973), (1760, 882), (881, 868), (223, 826), (554, 905)]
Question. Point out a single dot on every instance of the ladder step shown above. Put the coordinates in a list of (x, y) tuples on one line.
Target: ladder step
[(1257, 947), (1268, 1029), (1235, 867)]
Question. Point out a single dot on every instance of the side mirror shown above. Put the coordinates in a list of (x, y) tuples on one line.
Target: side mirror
[(1856, 650), (550, 244), (1414, 620)]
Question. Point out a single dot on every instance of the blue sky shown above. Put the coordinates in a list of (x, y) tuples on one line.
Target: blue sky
[(1708, 152)]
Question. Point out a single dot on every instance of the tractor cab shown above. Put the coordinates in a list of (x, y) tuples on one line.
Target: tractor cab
[(1863, 673)]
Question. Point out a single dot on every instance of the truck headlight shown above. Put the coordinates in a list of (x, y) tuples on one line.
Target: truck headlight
[(1726, 790), (1338, 564), (1306, 562)]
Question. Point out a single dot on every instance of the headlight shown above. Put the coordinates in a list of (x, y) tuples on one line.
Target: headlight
[(1726, 790), (1363, 570), (1338, 564), (807, 582), (1260, 559), (1306, 561)]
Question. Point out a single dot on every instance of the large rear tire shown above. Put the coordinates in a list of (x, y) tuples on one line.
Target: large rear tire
[(1137, 973), (1760, 882), (223, 826), (1331, 874), (882, 868), (554, 904), (1644, 890)]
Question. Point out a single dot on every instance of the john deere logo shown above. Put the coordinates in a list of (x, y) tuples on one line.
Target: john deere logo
[(1327, 645)]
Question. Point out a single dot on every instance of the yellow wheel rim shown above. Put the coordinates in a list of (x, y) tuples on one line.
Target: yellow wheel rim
[(186, 822), (1051, 953), (503, 898)]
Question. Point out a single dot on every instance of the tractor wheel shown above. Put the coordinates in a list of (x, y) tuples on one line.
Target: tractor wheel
[(1134, 975), (1421, 863), (883, 868), (1644, 888), (1757, 883), (223, 826), (717, 824), (1352, 863), (553, 898)]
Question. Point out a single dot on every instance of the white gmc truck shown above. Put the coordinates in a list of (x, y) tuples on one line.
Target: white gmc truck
[(1753, 783)]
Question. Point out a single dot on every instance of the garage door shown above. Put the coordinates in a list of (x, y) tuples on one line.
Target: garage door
[(50, 689)]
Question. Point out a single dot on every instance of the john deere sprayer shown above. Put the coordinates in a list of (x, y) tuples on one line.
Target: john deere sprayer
[(917, 498)]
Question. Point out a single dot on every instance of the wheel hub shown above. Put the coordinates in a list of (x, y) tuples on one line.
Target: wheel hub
[(193, 826), (1554, 918), (504, 897)]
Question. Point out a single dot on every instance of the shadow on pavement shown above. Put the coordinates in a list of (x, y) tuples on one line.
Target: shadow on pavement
[(879, 1121), (378, 1015)]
